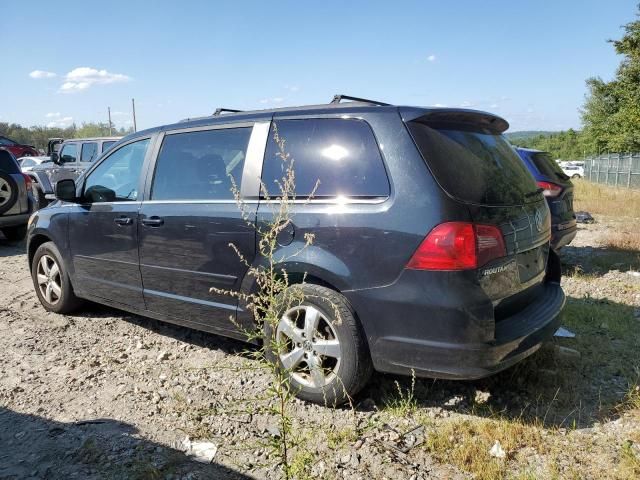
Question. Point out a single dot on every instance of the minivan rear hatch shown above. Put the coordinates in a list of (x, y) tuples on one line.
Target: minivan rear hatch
[(476, 166), (560, 200)]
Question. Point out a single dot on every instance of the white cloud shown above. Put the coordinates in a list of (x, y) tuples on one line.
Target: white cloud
[(52, 115), (466, 104), (431, 58), (82, 78), (494, 105), (439, 105), (60, 122), (292, 88), (42, 74)]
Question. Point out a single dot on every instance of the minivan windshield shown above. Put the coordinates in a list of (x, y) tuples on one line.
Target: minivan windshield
[(474, 165)]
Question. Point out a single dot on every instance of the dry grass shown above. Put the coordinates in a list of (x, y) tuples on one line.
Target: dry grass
[(606, 200), (620, 203), (466, 444), (625, 241)]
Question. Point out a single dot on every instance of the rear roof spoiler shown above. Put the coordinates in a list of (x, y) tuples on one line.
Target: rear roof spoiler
[(455, 116)]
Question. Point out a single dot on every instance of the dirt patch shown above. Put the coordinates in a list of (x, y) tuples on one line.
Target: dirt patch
[(105, 394)]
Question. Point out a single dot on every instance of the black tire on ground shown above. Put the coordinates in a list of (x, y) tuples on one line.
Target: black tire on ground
[(8, 192), (575, 175), (354, 368), (15, 234), (66, 301)]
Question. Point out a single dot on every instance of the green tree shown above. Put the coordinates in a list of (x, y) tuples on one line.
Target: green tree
[(611, 113)]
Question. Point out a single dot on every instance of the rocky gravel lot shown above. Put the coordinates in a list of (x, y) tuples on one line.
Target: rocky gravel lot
[(105, 394)]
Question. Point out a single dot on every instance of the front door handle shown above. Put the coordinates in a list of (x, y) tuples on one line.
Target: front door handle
[(123, 220), (153, 221)]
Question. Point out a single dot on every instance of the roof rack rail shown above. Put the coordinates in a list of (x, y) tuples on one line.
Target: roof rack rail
[(229, 110), (339, 98)]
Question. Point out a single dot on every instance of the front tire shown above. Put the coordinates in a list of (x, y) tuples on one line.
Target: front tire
[(575, 176), (51, 281), (321, 346)]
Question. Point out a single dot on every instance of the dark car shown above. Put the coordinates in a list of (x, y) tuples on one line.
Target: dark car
[(16, 201), (69, 158), (431, 272), (558, 190), (18, 150)]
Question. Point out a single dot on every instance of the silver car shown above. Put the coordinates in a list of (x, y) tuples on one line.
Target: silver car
[(69, 158)]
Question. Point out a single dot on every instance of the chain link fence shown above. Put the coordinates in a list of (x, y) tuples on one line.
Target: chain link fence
[(616, 169)]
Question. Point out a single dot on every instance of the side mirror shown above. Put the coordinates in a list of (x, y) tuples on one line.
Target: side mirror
[(66, 190), (55, 158)]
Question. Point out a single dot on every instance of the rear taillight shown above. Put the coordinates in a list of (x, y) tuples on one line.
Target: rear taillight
[(458, 246), (550, 189), (27, 181)]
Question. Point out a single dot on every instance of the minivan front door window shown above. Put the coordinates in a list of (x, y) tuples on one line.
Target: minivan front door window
[(116, 178)]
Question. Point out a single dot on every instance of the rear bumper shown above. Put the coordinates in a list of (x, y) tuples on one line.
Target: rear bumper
[(516, 337), (563, 234), (14, 220)]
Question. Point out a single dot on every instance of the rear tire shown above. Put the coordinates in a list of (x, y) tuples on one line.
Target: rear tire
[(575, 175), (328, 363), (8, 192), (51, 281), (15, 234)]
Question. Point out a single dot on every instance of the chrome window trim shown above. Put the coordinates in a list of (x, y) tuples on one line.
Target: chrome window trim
[(313, 201), (252, 173)]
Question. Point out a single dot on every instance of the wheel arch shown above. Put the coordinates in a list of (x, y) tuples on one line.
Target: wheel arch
[(34, 243)]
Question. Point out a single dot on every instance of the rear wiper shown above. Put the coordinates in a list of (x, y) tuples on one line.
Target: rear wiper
[(537, 192)]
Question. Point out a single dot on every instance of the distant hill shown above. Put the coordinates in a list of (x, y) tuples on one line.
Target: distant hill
[(526, 134)]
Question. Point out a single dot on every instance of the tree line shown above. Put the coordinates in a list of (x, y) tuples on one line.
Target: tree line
[(38, 136)]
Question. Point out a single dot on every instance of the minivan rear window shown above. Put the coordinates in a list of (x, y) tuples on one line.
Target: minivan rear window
[(474, 165), (341, 155)]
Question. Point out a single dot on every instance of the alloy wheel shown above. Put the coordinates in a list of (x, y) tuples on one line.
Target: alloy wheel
[(5, 191), (308, 346), (48, 278)]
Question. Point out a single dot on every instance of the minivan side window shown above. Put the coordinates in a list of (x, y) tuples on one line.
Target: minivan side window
[(69, 153), (341, 154), (199, 165), (116, 178), (88, 152), (106, 145)]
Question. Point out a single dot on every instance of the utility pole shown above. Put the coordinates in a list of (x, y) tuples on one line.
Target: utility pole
[(133, 107), (109, 111)]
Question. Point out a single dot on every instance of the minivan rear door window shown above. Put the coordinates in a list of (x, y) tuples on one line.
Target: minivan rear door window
[(200, 165), (474, 165)]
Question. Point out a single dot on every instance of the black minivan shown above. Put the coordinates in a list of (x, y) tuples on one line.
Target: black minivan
[(431, 238)]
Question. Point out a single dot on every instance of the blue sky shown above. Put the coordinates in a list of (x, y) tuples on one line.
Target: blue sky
[(525, 60)]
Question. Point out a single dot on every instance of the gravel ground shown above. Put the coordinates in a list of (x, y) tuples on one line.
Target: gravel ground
[(105, 394)]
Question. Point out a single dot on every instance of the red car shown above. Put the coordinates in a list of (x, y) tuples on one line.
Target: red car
[(17, 149)]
